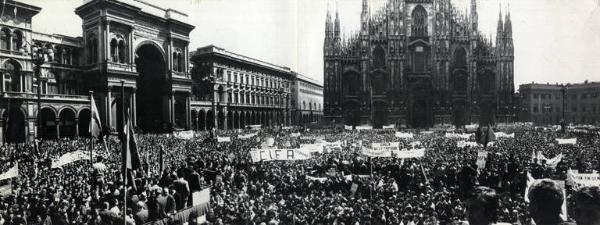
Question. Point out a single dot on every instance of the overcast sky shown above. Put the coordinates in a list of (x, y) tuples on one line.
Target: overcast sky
[(555, 40)]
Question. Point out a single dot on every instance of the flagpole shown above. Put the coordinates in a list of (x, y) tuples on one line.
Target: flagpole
[(90, 129), (123, 153), (91, 136)]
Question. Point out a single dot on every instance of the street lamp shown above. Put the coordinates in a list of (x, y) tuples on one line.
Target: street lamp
[(563, 89), (38, 57)]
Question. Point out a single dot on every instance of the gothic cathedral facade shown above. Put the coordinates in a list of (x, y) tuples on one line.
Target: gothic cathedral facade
[(417, 64)]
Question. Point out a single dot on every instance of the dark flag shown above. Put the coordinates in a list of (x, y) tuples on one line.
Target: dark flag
[(490, 136), (131, 157)]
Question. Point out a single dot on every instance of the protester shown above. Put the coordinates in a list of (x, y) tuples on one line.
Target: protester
[(339, 186), (546, 199), (587, 206)]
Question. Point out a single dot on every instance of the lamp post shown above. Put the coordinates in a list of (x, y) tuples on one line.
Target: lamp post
[(38, 57), (563, 89)]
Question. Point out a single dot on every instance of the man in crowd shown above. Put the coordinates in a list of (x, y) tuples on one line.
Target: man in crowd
[(481, 206), (546, 199), (587, 206)]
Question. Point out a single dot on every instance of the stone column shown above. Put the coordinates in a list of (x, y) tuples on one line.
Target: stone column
[(172, 108), (108, 107), (225, 119), (134, 107), (57, 128), (188, 114), (77, 126)]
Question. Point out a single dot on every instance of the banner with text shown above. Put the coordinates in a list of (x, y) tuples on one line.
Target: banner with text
[(70, 157), (247, 136), (223, 139), (279, 154), (188, 134), (404, 135), (409, 153), (566, 141), (458, 136), (578, 180)]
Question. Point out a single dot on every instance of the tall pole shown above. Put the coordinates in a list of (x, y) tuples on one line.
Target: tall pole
[(124, 154), (91, 136), (38, 74)]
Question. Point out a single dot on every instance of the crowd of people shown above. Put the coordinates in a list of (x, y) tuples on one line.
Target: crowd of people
[(341, 186)]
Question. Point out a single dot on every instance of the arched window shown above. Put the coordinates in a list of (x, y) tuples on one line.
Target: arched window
[(114, 50), (378, 57), (122, 51), (178, 60), (17, 40), (92, 49), (351, 83), (379, 83), (59, 54), (460, 58), (419, 27), (460, 82), (303, 105), (14, 83), (5, 39), (487, 82), (420, 59)]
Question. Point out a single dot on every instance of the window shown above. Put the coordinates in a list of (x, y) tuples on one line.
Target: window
[(229, 76), (535, 109), (12, 77), (92, 47), (5, 39), (178, 60), (378, 57), (17, 40), (419, 28)]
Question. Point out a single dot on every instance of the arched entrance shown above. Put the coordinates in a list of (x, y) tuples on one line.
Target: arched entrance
[(352, 113), (151, 103), (420, 114), (380, 113), (48, 124), (229, 120), (15, 125), (201, 120), (67, 123), (194, 120), (221, 120), (487, 114), (459, 110), (84, 122), (210, 120)]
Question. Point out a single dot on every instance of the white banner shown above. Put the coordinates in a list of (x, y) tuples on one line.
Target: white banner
[(409, 153), (295, 135), (392, 126), (364, 127), (462, 144), (255, 127), (279, 154), (317, 147), (481, 159), (404, 135), (386, 146), (201, 197), (458, 136), (566, 141), (247, 136), (504, 135), (578, 180), (332, 146), (188, 134), (70, 157), (346, 127), (12, 172), (427, 132), (223, 139), (286, 128)]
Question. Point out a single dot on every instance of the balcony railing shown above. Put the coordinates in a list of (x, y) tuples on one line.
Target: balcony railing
[(121, 67), (53, 97)]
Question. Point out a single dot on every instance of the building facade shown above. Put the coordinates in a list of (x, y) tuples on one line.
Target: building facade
[(418, 63), (548, 104), (130, 45), (232, 91), (307, 100)]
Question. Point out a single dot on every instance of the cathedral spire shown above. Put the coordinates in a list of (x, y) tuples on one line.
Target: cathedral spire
[(364, 17), (336, 28)]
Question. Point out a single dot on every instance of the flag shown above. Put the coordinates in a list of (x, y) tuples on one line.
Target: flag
[(12, 172), (95, 124), (131, 157)]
